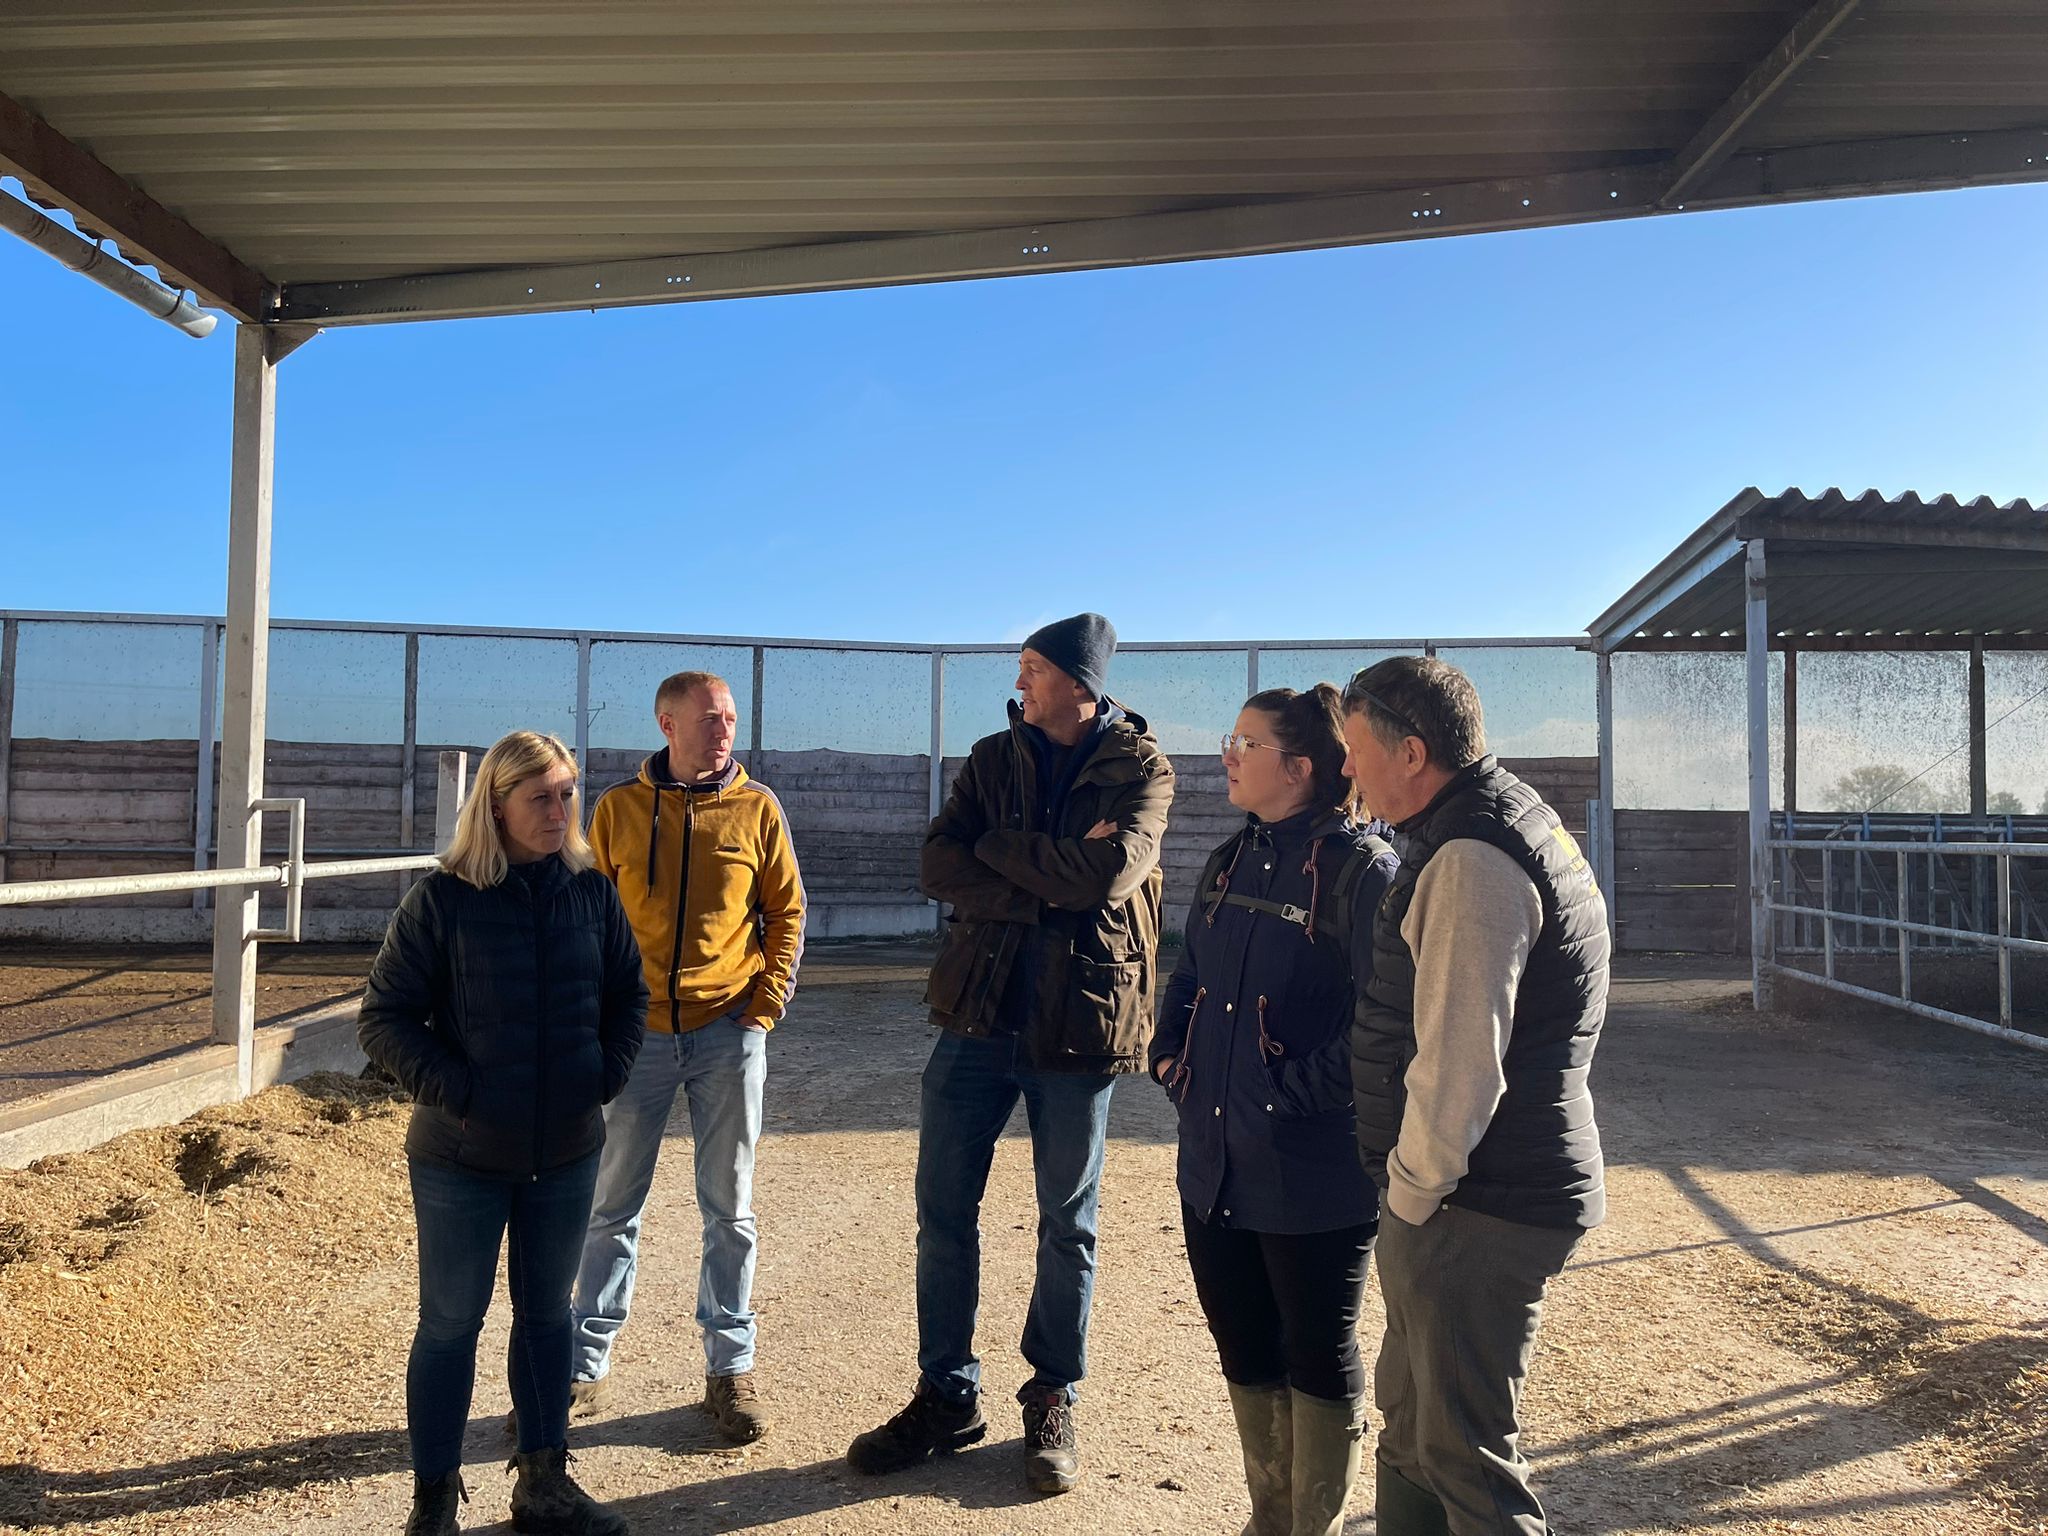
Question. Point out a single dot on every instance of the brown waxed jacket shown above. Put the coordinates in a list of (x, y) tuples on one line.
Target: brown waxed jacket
[(1081, 914)]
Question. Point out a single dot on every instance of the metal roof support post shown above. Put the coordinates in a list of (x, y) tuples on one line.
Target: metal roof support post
[(1603, 834), (258, 351), (1756, 616)]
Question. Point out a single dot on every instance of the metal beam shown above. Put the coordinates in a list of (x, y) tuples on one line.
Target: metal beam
[(1303, 224), (1666, 644), (1710, 148), (1892, 537), (1924, 163), (55, 169), (1368, 218)]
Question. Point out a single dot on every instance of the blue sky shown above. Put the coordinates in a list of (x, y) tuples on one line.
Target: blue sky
[(1475, 436)]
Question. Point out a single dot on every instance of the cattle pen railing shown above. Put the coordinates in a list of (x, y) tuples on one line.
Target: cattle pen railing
[(1809, 887)]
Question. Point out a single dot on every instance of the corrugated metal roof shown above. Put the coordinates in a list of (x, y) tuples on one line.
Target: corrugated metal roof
[(366, 139), (1841, 566)]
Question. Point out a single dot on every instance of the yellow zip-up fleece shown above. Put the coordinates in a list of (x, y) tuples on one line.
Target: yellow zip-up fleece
[(710, 883)]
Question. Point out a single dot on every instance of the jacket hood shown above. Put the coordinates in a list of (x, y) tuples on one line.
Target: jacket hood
[(1124, 732), (654, 773)]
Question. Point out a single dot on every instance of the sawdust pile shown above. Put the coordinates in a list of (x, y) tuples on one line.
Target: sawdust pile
[(127, 1270)]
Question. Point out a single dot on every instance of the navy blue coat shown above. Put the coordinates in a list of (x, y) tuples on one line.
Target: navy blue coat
[(1258, 1020)]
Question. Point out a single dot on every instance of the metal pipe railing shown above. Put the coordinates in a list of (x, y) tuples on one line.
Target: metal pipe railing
[(1904, 854), (16, 893), (292, 874)]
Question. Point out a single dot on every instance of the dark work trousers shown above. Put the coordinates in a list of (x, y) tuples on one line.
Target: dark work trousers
[(1283, 1306), (464, 1219), (1464, 1293)]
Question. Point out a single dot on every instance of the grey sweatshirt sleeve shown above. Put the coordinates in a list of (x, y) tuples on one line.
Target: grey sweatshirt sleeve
[(1473, 920)]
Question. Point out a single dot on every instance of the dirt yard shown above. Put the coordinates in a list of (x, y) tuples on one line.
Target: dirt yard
[(1819, 1305), (67, 1015)]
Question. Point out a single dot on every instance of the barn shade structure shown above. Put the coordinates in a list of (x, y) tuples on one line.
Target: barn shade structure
[(362, 161), (1830, 572)]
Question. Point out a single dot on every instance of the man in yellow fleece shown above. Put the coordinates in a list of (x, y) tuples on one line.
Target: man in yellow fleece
[(701, 856)]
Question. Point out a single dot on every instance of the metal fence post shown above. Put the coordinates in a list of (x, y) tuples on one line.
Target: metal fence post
[(209, 706), (10, 645), (2004, 863), (583, 726), (450, 790), (755, 727)]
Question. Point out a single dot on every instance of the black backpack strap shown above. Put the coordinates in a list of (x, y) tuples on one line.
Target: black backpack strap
[(1336, 915)]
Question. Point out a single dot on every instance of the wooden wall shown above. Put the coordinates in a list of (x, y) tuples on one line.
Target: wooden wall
[(1682, 881), (858, 820)]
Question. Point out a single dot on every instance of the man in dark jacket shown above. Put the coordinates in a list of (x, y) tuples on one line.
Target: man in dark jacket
[(1470, 1055), (1048, 851)]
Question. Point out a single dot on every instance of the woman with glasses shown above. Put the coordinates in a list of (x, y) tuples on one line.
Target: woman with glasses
[(1254, 1048), (508, 1000)]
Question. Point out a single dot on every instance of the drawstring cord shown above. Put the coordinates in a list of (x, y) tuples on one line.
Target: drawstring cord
[(1223, 880), (1268, 1046), (1180, 1075), (653, 837)]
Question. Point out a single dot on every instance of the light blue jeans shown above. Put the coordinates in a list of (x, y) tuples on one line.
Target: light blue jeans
[(721, 1069)]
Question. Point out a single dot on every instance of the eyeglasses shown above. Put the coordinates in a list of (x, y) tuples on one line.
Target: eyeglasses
[(1240, 743), (1408, 727)]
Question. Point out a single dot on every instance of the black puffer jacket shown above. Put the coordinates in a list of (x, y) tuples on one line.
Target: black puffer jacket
[(511, 1015)]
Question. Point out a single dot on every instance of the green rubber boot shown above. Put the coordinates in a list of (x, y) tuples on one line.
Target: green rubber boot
[(1265, 1430)]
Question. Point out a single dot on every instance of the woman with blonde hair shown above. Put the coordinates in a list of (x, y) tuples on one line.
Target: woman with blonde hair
[(508, 1000)]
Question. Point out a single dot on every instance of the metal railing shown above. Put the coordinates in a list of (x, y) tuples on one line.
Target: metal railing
[(292, 874), (2002, 941)]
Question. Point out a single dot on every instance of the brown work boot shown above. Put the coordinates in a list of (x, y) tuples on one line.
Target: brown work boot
[(547, 1502), (928, 1425), (1052, 1452), (736, 1406)]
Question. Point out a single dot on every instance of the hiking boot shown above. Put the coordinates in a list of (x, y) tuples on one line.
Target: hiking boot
[(434, 1505), (928, 1424), (1052, 1459), (586, 1399), (547, 1502), (736, 1406)]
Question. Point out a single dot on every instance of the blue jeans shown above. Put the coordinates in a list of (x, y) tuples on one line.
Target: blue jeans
[(970, 1087), (463, 1217), (720, 1068)]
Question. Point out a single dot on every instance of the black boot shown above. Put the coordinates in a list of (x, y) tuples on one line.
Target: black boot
[(434, 1505), (547, 1502)]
